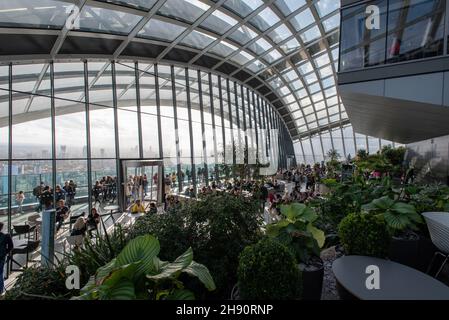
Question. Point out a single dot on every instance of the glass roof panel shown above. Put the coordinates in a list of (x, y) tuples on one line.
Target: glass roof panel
[(290, 46), (198, 40), (265, 19), (185, 10), (260, 46), (289, 6), (280, 34), (302, 20), (161, 30), (138, 4), (331, 23), (243, 35), (310, 34), (325, 7), (45, 14), (106, 20), (242, 7), (218, 22), (223, 48)]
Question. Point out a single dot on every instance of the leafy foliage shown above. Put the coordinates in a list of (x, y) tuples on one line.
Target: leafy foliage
[(217, 228), (364, 234), (39, 283), (399, 216), (138, 273), (297, 232), (268, 271), (96, 253), (345, 198)]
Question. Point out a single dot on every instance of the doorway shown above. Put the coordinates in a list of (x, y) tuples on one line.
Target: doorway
[(141, 180)]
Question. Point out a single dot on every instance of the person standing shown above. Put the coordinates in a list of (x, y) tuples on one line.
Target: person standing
[(6, 245), (145, 184), (20, 197)]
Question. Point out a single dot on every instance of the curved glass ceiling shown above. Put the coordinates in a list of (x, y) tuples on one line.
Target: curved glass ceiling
[(285, 49)]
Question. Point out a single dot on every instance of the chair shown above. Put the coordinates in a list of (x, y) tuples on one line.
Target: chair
[(24, 229), (32, 221), (438, 225), (30, 247)]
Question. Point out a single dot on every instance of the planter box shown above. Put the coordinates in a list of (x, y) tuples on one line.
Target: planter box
[(413, 253), (312, 284), (404, 251)]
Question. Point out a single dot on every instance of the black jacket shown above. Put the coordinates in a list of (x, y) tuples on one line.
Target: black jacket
[(6, 245)]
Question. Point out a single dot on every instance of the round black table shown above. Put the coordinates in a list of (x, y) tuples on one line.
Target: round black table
[(397, 281)]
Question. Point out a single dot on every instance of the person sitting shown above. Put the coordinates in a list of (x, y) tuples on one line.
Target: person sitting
[(137, 207), (93, 219), (79, 228), (62, 212), (153, 208)]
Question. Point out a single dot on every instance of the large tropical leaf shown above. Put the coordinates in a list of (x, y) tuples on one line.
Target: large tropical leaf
[(143, 249), (317, 234), (123, 272), (170, 269), (383, 203), (403, 208), (123, 290), (104, 271), (396, 221), (202, 273), (297, 211), (274, 229)]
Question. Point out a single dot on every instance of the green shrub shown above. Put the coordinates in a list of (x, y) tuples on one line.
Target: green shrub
[(364, 234), (268, 271), (38, 283), (217, 228)]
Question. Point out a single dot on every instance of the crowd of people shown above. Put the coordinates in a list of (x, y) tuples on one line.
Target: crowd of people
[(44, 195), (104, 190)]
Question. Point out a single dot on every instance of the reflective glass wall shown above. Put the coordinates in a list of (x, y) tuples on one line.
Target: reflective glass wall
[(401, 30), (72, 121)]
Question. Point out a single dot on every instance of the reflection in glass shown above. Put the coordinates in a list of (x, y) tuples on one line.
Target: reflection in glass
[(415, 29), (360, 46)]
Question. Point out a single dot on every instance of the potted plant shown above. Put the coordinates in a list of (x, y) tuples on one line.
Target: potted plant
[(297, 232), (267, 271), (365, 235), (402, 221)]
